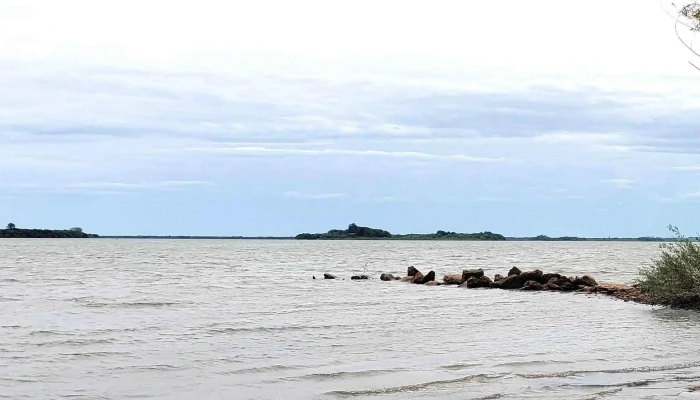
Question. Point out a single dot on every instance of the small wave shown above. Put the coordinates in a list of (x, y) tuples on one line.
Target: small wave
[(20, 380), (158, 367), (413, 388), (343, 374), (10, 280), (50, 333), (94, 354), (277, 328), (134, 304), (491, 397), (457, 367), (10, 326), (269, 368), (565, 374), (604, 393), (8, 299), (75, 342)]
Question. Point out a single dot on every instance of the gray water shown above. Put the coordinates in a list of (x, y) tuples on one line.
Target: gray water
[(132, 319)]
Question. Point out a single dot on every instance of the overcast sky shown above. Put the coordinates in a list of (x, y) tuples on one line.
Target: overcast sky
[(278, 117)]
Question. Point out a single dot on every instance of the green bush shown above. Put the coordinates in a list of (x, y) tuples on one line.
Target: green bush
[(676, 274)]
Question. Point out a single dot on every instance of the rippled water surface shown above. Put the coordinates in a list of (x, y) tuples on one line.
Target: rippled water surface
[(131, 319)]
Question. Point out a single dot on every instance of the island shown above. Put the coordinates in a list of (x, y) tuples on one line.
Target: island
[(73, 233), (362, 232)]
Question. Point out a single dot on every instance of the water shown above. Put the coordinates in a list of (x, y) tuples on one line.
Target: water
[(128, 319)]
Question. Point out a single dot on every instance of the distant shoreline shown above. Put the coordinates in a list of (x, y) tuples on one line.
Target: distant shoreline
[(413, 239)]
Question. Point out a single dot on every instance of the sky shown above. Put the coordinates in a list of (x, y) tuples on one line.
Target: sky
[(277, 117)]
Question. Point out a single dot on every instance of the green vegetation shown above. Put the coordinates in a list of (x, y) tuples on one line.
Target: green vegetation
[(353, 232), (674, 278), (362, 232), (13, 232)]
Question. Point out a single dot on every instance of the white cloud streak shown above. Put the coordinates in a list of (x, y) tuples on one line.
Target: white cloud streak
[(314, 196)]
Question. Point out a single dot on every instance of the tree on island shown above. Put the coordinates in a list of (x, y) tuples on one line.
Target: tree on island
[(11, 226), (687, 17)]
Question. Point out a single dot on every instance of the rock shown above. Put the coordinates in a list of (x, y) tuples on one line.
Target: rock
[(478, 282), (328, 276), (407, 279), (514, 271), (455, 279), (567, 286), (418, 277), (498, 278), (412, 271), (688, 301), (585, 281), (533, 285), (314, 276), (468, 273), (428, 278), (535, 275), (511, 282), (433, 283), (387, 277), (586, 289), (547, 277), (611, 288), (359, 277), (552, 286)]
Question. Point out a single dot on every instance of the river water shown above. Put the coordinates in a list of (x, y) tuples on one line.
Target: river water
[(160, 319)]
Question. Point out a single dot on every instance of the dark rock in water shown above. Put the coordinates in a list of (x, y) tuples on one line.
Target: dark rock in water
[(412, 271), (359, 277), (418, 277), (551, 285), (478, 282), (328, 276), (514, 271), (314, 276), (407, 279), (687, 301), (498, 278), (427, 278), (547, 277), (532, 285), (511, 282), (387, 277), (535, 275), (469, 273), (455, 279), (585, 281), (567, 286)]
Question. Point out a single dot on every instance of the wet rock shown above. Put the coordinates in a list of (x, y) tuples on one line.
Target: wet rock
[(567, 286), (328, 276), (433, 283), (551, 285), (359, 277), (455, 279), (427, 278), (412, 271), (388, 277), (511, 282), (533, 285), (478, 282), (418, 277), (585, 281), (314, 276), (686, 301), (514, 271), (498, 278), (547, 277), (535, 275), (586, 289), (468, 273), (407, 279), (611, 288)]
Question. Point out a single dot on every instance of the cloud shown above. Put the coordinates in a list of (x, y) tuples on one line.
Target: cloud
[(686, 168), (102, 188), (619, 183), (314, 196)]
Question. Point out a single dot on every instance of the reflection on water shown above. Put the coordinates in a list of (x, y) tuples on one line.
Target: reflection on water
[(117, 319)]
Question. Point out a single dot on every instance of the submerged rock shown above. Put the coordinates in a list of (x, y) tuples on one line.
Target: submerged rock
[(455, 279), (425, 279), (407, 279), (412, 271), (468, 273), (328, 276), (359, 277), (388, 277), (511, 282), (533, 285), (514, 271), (478, 282), (433, 283)]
